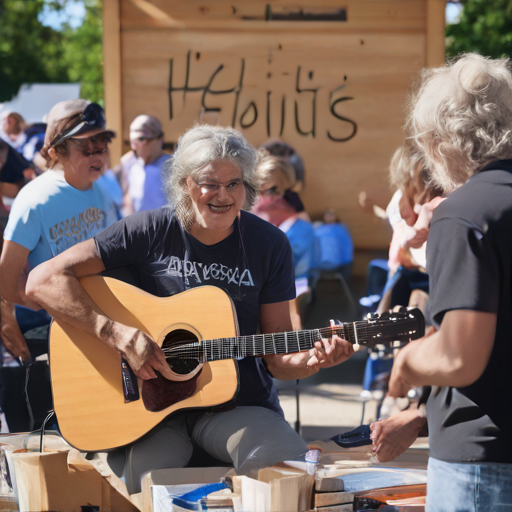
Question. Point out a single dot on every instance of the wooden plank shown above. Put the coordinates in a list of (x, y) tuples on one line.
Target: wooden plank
[(335, 508), (324, 499), (435, 47), (112, 75), (368, 15)]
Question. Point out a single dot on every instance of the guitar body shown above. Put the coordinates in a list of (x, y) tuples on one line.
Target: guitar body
[(87, 381)]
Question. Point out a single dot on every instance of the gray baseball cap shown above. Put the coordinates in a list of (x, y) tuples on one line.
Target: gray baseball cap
[(146, 126)]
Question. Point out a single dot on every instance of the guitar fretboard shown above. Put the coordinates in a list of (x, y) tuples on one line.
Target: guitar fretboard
[(363, 332), (257, 345)]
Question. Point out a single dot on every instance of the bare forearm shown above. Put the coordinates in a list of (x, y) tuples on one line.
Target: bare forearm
[(286, 368), (455, 356), (62, 295)]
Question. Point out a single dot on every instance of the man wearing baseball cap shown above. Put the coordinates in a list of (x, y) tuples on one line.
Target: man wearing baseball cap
[(142, 167)]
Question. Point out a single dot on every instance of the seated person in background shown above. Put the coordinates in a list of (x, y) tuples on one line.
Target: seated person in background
[(142, 167), (277, 177), (277, 147), (408, 284), (209, 180), (407, 260), (13, 131), (35, 142), (58, 209), (283, 150), (336, 247), (12, 178)]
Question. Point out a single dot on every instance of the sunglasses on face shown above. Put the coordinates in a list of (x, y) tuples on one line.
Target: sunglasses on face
[(98, 144), (92, 117)]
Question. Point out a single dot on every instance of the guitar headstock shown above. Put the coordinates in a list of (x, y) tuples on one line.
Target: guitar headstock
[(403, 325)]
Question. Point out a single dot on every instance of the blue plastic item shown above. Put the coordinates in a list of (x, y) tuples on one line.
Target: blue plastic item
[(360, 436), (192, 500)]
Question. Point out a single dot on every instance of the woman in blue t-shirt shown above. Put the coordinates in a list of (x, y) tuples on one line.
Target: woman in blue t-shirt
[(55, 211)]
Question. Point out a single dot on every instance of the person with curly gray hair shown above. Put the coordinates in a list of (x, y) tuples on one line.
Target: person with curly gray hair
[(206, 239), (461, 119)]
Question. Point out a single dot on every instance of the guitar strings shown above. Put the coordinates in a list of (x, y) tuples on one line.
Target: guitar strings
[(229, 348), (275, 338)]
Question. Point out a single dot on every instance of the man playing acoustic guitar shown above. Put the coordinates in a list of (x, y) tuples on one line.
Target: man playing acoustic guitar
[(207, 239)]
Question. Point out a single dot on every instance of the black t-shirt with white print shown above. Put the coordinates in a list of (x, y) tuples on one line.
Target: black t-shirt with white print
[(254, 265), (469, 261)]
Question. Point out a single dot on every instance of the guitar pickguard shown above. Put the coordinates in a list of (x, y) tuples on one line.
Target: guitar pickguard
[(160, 393)]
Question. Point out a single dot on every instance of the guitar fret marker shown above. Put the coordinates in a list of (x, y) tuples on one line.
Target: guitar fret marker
[(355, 333)]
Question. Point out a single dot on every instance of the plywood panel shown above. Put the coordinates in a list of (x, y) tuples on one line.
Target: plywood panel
[(363, 14), (435, 52), (333, 90)]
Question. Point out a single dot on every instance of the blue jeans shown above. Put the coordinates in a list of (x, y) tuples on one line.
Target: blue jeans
[(468, 487)]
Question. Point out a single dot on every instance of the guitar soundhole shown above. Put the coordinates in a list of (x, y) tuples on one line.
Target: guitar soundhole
[(181, 366)]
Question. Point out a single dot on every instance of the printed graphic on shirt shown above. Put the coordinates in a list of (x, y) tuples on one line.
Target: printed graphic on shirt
[(204, 272), (72, 231)]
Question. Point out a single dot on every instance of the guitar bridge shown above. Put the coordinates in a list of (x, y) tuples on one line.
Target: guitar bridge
[(130, 387)]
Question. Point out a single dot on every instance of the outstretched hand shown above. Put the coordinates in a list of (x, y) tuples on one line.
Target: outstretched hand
[(392, 436)]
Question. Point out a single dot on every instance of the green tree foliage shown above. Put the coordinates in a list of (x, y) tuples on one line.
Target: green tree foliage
[(83, 52), (485, 27), (33, 53), (29, 51)]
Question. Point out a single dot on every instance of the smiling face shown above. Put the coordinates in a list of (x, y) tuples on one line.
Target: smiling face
[(84, 164), (218, 194)]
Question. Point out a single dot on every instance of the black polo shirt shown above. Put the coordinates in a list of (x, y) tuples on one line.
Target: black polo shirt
[(469, 261)]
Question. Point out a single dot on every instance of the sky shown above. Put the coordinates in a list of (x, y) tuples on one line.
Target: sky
[(74, 13), (453, 12)]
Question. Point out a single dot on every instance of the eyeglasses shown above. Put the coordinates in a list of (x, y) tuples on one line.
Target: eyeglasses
[(208, 187), (97, 144), (92, 117), (272, 191), (143, 139)]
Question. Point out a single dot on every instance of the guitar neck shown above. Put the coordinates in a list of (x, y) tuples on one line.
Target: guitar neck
[(277, 343), (410, 325)]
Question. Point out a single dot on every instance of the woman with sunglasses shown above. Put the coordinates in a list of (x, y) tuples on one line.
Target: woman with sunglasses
[(55, 211)]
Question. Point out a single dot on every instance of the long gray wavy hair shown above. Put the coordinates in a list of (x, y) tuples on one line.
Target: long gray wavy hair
[(461, 117), (199, 147)]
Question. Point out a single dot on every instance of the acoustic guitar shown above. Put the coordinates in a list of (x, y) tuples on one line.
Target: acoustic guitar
[(101, 405)]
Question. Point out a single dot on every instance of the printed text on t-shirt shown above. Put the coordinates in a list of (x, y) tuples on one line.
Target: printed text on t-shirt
[(204, 272), (77, 229)]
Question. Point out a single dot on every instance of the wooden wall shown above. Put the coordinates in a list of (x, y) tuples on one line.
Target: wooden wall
[(334, 90)]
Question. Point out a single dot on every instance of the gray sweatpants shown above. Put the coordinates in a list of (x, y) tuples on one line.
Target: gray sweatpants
[(248, 437)]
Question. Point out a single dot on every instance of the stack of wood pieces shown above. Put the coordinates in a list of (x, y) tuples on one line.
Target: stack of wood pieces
[(342, 486), (330, 495)]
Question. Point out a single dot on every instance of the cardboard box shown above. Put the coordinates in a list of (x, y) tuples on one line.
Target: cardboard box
[(154, 484)]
